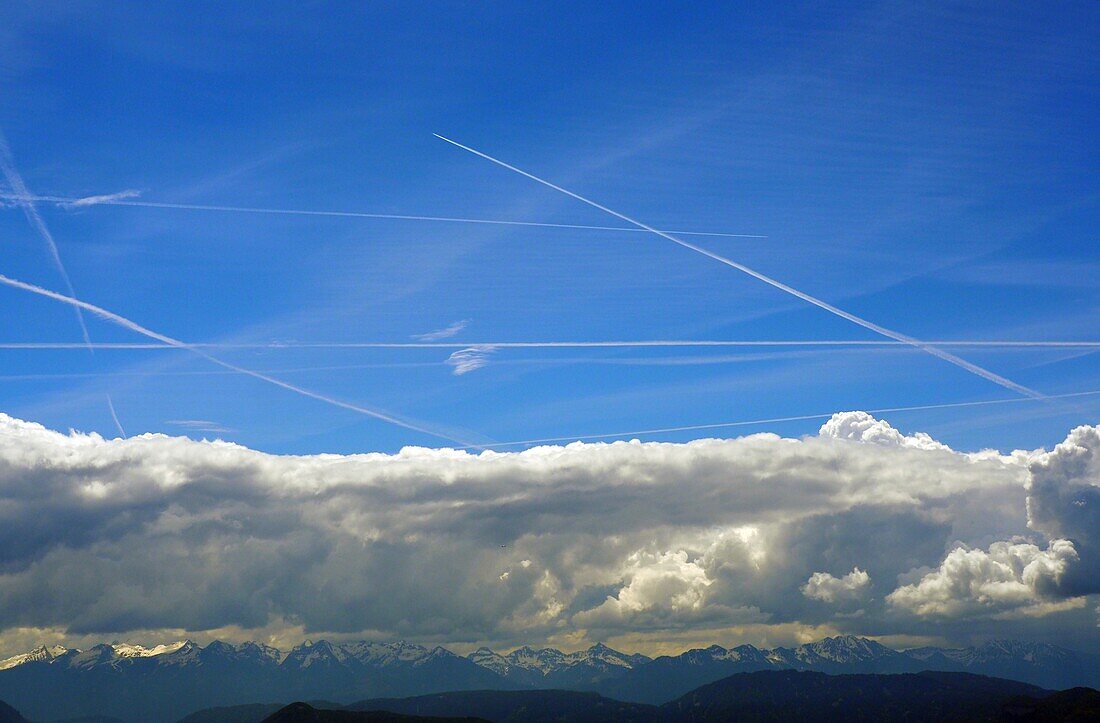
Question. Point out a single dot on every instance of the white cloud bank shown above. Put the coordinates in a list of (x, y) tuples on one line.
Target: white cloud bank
[(101, 537)]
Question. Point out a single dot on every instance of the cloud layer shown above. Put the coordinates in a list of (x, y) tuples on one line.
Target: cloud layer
[(860, 529)]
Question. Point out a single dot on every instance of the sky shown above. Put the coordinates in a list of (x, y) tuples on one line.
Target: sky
[(880, 175)]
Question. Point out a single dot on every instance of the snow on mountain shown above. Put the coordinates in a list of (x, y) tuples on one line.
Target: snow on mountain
[(716, 653), (436, 653), (545, 661), (93, 657), (245, 652), (382, 654), (259, 652), (997, 651), (41, 653), (489, 660), (322, 653), (848, 649), (601, 656), (126, 650)]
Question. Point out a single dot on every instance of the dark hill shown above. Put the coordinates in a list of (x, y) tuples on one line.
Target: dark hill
[(305, 713), (530, 706), (9, 714), (785, 695), (798, 695), (1076, 705)]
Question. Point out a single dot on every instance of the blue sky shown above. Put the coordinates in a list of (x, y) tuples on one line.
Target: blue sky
[(929, 169)]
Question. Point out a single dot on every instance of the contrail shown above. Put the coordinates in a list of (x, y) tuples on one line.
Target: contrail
[(776, 420), (138, 328), (897, 336), (650, 343), (101, 200), (109, 200), (539, 361), (114, 416), (24, 197)]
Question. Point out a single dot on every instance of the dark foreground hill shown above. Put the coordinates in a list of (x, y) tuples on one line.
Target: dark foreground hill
[(520, 705), (1076, 704), (760, 696), (793, 695), (305, 713), (9, 714)]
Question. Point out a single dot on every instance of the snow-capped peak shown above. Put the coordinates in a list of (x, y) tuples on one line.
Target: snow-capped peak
[(41, 653), (309, 654), (129, 650), (601, 655), (847, 649), (486, 658), (544, 661), (379, 654)]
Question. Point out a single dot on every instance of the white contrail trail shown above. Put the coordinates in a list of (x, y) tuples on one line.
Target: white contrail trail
[(650, 343), (897, 336), (101, 200), (138, 328), (777, 420), (539, 361), (107, 200), (23, 196), (114, 416)]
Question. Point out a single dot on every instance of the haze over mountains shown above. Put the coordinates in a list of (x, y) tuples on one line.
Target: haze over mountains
[(168, 681)]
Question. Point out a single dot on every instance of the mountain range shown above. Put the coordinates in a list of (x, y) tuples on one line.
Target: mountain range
[(166, 682)]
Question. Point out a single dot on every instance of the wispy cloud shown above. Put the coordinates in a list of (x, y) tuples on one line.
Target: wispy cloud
[(889, 333), (444, 333), (22, 195), (138, 328), (470, 359), (200, 425), (105, 200)]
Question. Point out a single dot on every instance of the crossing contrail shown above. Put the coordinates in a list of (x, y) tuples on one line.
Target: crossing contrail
[(25, 200), (644, 343), (777, 420), (167, 340), (120, 200), (114, 416), (897, 336)]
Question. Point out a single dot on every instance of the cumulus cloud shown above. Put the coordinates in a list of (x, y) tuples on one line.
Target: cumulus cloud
[(664, 580), (862, 427), (1005, 576), (827, 588), (1063, 500), (100, 537)]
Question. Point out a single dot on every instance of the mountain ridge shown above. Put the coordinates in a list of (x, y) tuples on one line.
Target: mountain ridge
[(131, 682)]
